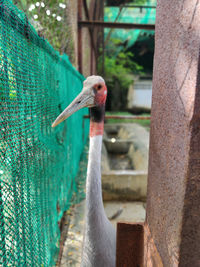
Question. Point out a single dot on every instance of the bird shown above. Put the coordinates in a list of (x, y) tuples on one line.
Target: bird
[(99, 241)]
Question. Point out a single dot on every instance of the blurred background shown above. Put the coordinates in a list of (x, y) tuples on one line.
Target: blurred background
[(124, 57)]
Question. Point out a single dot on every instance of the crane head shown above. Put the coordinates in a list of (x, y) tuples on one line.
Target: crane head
[(93, 94)]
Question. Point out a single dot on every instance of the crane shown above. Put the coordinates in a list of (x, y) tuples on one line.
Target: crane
[(99, 242)]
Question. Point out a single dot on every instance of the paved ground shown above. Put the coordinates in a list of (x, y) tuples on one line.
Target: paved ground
[(72, 248), (128, 211), (122, 211)]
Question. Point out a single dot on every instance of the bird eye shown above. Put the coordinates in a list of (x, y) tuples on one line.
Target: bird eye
[(99, 87)]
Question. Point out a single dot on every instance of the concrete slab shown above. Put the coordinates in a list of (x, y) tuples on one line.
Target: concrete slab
[(125, 185), (131, 211)]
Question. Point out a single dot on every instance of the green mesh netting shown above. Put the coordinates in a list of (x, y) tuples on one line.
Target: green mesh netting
[(131, 15), (38, 164)]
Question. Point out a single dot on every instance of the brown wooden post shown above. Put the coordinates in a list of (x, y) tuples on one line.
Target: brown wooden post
[(130, 245)]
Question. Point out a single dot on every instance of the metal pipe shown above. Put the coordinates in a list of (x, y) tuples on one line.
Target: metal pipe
[(80, 36), (132, 6), (90, 30), (127, 117), (118, 25)]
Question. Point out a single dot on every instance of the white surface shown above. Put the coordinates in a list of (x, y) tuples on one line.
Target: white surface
[(142, 94)]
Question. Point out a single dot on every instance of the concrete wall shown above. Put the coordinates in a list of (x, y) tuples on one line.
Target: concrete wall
[(173, 206)]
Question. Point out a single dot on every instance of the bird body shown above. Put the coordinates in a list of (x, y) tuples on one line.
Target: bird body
[(99, 244)]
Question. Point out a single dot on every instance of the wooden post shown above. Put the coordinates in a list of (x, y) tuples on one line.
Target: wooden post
[(130, 245)]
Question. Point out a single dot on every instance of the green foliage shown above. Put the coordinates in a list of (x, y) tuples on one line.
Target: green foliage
[(119, 68), (139, 2), (120, 65), (52, 22)]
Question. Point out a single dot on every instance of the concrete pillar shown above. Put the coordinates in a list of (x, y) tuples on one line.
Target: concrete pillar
[(173, 206)]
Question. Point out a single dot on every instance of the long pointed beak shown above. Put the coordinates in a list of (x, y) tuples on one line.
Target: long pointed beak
[(84, 99)]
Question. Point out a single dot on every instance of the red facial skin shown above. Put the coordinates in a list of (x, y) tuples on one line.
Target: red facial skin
[(97, 128), (100, 94)]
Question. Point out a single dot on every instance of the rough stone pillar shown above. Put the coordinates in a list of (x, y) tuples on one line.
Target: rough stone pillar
[(173, 206)]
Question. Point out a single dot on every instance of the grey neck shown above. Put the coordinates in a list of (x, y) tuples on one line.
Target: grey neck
[(94, 201)]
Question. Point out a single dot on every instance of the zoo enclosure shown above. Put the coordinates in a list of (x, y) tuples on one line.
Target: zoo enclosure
[(38, 164)]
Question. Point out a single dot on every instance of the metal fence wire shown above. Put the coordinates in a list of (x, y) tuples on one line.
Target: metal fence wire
[(38, 164)]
